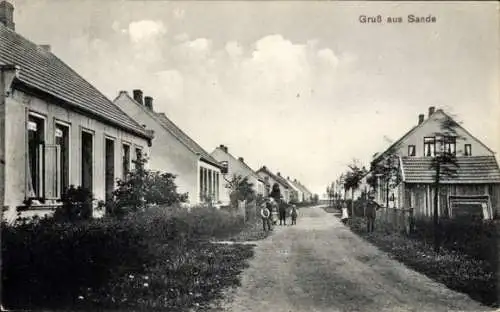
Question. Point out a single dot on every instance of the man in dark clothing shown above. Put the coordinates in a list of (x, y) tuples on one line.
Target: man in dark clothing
[(282, 212), (371, 211)]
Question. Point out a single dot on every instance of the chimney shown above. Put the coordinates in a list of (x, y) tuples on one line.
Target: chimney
[(431, 110), (421, 118), (279, 174), (45, 47), (148, 102), (241, 159), (7, 14), (138, 96)]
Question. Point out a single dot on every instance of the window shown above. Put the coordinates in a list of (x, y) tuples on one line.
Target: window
[(217, 186), (429, 146), (62, 158), (468, 150), (109, 163), (138, 155), (125, 160), (87, 150), (450, 145), (35, 157), (411, 150)]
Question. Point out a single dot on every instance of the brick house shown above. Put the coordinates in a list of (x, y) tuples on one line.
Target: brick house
[(56, 129)]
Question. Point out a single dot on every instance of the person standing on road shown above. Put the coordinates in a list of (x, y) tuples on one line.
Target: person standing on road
[(371, 210), (345, 214), (282, 212), (265, 213), (293, 214)]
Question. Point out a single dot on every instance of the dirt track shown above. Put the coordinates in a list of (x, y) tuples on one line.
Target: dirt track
[(319, 265)]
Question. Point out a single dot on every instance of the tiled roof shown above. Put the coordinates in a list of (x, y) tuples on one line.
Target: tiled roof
[(43, 71), (244, 164), (274, 176), (185, 139), (474, 169)]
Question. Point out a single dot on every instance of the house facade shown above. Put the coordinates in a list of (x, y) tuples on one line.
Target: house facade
[(272, 179), (173, 151), (56, 129), (298, 194), (474, 189), (308, 195), (236, 166)]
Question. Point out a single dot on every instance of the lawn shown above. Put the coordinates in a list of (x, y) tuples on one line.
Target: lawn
[(455, 269), (158, 260)]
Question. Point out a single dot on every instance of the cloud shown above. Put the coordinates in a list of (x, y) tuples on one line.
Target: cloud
[(327, 56), (146, 30), (179, 14), (234, 49)]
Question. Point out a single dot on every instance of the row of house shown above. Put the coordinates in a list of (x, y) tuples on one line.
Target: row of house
[(474, 189), (57, 130)]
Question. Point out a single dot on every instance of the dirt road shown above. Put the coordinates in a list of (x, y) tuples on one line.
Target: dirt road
[(319, 265)]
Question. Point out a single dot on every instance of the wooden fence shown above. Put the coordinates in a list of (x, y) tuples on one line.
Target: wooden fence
[(395, 219)]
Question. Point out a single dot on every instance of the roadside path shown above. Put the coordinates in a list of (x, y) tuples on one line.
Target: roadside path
[(320, 265)]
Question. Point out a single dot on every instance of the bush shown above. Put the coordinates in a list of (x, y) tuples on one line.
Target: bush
[(142, 187), (476, 238), (77, 205), (48, 263)]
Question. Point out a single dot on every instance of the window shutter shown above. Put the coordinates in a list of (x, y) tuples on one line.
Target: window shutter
[(52, 171)]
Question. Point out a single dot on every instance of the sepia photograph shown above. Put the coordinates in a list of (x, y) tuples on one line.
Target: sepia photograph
[(249, 156)]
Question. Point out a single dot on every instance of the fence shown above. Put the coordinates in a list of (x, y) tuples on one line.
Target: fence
[(395, 219)]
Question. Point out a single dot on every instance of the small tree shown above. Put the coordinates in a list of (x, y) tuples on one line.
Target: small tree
[(388, 170), (141, 187), (353, 180), (240, 189), (444, 164), (276, 192)]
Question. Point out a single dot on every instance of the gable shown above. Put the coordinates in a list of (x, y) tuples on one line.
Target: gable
[(429, 128), (129, 104)]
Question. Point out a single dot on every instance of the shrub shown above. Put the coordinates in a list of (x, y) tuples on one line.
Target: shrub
[(48, 263), (77, 205), (477, 238), (142, 187)]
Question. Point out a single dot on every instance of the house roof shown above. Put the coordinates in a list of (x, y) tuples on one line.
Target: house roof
[(473, 169), (393, 145), (274, 176), (252, 172), (43, 71), (180, 135)]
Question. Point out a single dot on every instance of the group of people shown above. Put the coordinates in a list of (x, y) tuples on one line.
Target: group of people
[(270, 210), (370, 210)]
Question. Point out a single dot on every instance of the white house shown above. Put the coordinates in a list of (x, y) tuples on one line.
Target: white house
[(56, 129), (236, 166), (198, 173)]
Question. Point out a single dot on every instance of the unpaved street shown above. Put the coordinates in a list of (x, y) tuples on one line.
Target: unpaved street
[(319, 265)]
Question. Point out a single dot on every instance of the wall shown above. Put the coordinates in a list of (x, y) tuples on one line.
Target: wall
[(234, 167), (167, 153), (429, 128), (17, 107)]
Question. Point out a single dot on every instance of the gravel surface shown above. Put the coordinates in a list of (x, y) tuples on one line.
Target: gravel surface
[(320, 265)]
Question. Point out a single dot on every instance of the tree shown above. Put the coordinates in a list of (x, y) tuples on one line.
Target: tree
[(276, 192), (241, 189), (389, 172), (141, 187), (353, 180), (444, 164)]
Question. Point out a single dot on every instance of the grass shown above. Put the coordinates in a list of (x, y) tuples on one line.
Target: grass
[(452, 268), (159, 260)]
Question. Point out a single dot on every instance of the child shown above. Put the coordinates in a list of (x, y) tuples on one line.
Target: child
[(345, 215), (265, 213), (293, 214)]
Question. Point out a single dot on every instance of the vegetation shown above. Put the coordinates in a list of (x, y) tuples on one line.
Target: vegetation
[(467, 263), (145, 253)]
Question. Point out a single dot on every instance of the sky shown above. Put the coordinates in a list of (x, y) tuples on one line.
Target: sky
[(301, 87)]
